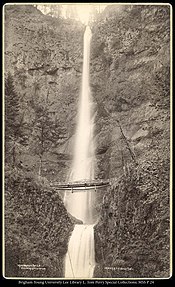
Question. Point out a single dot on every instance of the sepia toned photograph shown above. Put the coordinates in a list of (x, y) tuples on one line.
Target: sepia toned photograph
[(87, 144)]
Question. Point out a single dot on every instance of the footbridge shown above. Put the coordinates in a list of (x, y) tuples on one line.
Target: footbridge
[(83, 185)]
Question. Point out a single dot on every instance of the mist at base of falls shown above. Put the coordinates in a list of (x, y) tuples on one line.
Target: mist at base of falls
[(80, 257), (81, 205)]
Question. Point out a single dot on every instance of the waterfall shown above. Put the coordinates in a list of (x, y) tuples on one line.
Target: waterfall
[(80, 258)]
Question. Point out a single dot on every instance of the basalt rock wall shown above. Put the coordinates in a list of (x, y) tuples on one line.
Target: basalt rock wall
[(131, 84), (130, 77), (44, 55)]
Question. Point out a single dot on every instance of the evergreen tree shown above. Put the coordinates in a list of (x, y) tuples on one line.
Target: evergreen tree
[(46, 132), (71, 12), (55, 10), (44, 127), (11, 108), (41, 136), (13, 120)]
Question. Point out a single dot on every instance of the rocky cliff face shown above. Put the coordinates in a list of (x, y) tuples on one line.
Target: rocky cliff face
[(45, 56), (130, 81), (130, 78), (37, 228)]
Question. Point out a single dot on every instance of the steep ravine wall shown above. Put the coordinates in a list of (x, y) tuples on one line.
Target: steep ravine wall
[(130, 78), (130, 83), (37, 228), (43, 56)]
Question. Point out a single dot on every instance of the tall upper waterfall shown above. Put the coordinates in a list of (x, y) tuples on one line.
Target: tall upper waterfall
[(80, 257), (83, 163), (80, 204)]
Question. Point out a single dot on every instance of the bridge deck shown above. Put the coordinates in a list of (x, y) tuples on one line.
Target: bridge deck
[(83, 185)]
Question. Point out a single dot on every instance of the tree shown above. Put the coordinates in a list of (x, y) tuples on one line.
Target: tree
[(41, 133), (71, 12), (46, 132), (51, 10), (13, 120), (55, 10)]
